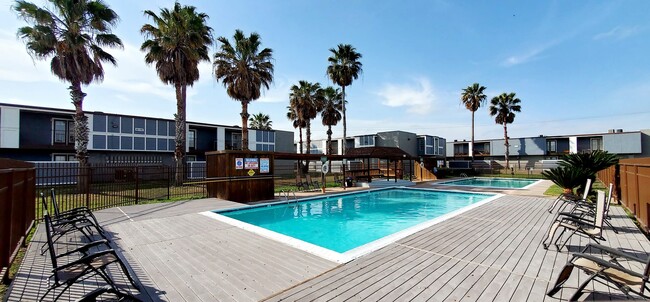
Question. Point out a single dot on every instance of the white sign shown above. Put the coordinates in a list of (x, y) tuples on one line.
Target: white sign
[(239, 163), (325, 167), (251, 163), (264, 165)]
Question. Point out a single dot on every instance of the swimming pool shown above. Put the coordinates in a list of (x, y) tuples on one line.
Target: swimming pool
[(492, 182), (344, 226)]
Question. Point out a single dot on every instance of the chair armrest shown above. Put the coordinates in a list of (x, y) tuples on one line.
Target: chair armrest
[(575, 217), (614, 252), (604, 263), (83, 249), (67, 220), (581, 221)]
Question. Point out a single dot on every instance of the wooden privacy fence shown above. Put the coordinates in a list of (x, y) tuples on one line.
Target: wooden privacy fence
[(631, 179), (17, 194)]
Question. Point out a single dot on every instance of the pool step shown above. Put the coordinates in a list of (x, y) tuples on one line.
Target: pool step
[(382, 183)]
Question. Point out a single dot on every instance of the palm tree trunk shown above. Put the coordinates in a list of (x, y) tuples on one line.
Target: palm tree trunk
[(80, 134), (505, 135), (300, 142), (345, 124), (244, 125), (80, 124), (308, 134), (301, 151), (181, 115), (471, 150), (329, 139)]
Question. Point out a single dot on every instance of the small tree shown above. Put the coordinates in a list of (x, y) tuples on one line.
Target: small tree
[(473, 97), (503, 108), (243, 68), (260, 121), (176, 43), (331, 112), (72, 33), (343, 69)]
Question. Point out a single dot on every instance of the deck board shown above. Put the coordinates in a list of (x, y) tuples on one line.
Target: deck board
[(490, 253)]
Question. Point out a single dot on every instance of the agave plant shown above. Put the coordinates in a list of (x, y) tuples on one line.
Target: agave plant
[(575, 169), (594, 161), (567, 178)]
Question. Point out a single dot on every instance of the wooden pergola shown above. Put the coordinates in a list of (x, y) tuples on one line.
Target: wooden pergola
[(366, 154)]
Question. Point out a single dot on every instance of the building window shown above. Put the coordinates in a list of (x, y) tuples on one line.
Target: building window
[(367, 140), (191, 139), (63, 132), (596, 144), (551, 146), (63, 157), (191, 158)]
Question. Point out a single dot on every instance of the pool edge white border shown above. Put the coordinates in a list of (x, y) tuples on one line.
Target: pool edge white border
[(358, 251), (447, 183)]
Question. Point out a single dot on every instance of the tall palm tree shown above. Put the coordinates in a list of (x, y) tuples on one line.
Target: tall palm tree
[(331, 112), (343, 69), (72, 33), (292, 115), (260, 121), (503, 108), (243, 69), (473, 97), (176, 43), (307, 98)]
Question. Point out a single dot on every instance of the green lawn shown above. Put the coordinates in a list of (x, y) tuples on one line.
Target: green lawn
[(555, 190)]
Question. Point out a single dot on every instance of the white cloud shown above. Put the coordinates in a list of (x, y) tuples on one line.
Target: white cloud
[(16, 65), (530, 54), (418, 97), (618, 33), (278, 92)]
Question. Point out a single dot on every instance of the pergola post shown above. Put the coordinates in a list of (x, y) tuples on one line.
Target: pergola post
[(395, 164)]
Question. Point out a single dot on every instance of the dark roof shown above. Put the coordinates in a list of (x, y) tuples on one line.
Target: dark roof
[(378, 152)]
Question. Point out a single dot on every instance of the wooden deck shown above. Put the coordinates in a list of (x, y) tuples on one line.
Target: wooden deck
[(491, 253)]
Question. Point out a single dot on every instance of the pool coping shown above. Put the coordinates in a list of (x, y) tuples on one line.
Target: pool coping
[(355, 252), (447, 183)]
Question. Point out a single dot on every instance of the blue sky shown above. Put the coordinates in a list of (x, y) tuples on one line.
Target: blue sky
[(577, 66)]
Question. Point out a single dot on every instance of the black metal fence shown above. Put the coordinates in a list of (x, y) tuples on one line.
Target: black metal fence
[(104, 186)]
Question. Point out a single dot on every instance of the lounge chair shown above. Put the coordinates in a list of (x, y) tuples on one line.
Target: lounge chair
[(570, 198), (579, 225), (74, 213), (583, 208), (606, 271), (90, 264), (64, 225)]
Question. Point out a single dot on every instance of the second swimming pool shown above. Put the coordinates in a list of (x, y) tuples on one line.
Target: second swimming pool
[(346, 222)]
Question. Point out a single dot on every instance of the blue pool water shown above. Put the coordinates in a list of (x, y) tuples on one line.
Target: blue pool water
[(503, 183), (344, 222)]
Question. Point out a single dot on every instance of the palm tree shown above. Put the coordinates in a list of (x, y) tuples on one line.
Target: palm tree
[(307, 98), (243, 70), (292, 115), (503, 108), (473, 97), (343, 69), (260, 121), (331, 112), (176, 43), (72, 33)]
